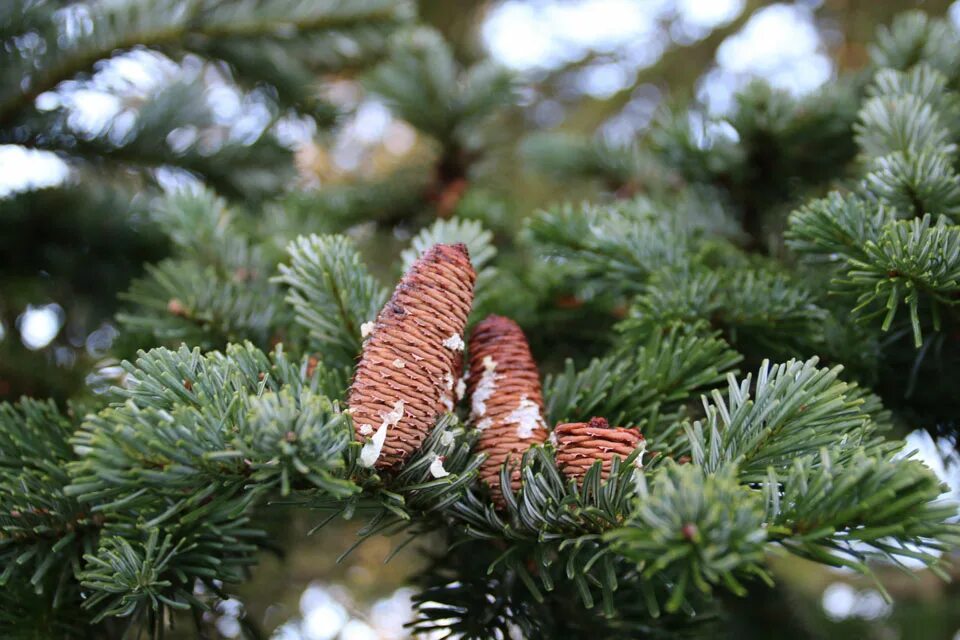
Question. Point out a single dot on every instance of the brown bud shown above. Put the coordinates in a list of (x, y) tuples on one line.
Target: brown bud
[(581, 444), (408, 368), (176, 308), (312, 363), (506, 399)]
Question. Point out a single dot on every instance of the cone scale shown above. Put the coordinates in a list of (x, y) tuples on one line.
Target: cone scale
[(581, 444), (506, 399), (412, 357)]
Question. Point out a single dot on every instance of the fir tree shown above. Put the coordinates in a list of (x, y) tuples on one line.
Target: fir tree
[(761, 347)]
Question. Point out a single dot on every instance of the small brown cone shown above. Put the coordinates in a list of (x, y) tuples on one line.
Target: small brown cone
[(581, 444), (506, 399), (413, 357)]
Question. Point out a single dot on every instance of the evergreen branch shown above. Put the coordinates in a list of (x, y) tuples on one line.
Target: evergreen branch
[(43, 531), (422, 83), (702, 530), (760, 155), (844, 512), (643, 385), (164, 22), (922, 81), (332, 294), (552, 528), (915, 38), (550, 507), (794, 409), (835, 229), (757, 308), (913, 261), (295, 438), (172, 126), (916, 184), (618, 246), (211, 422), (461, 595), (143, 572), (479, 242), (415, 498), (907, 124), (337, 207), (180, 301), (567, 156), (217, 291)]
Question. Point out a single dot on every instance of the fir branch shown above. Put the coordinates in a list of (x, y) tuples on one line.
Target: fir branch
[(844, 512), (791, 410), (180, 301), (835, 229), (142, 572), (643, 385), (422, 83), (332, 294), (479, 242), (160, 23), (921, 81), (216, 291), (703, 530), (43, 531), (618, 246), (192, 422), (413, 500), (915, 184), (901, 123), (913, 262), (756, 306), (915, 38), (566, 156)]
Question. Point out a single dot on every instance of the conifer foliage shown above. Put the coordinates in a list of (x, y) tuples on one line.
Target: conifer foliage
[(736, 410)]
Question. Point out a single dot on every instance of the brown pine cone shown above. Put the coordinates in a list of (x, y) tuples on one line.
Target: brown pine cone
[(580, 444), (506, 399), (413, 357)]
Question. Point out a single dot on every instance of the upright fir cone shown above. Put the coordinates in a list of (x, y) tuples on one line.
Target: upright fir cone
[(580, 444), (412, 357), (506, 399)]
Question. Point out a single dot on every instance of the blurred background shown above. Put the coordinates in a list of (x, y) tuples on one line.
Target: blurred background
[(76, 227)]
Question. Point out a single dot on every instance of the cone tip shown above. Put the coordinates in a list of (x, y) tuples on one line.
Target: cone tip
[(494, 321)]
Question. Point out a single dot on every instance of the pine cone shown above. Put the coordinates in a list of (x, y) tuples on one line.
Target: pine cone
[(580, 444), (413, 357), (506, 400)]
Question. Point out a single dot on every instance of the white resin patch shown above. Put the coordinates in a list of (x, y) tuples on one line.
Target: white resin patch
[(447, 401), (371, 450), (367, 328), (399, 364), (484, 424), (638, 463), (436, 467), (461, 388), (454, 342), (485, 388), (446, 397), (366, 429), (527, 418)]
